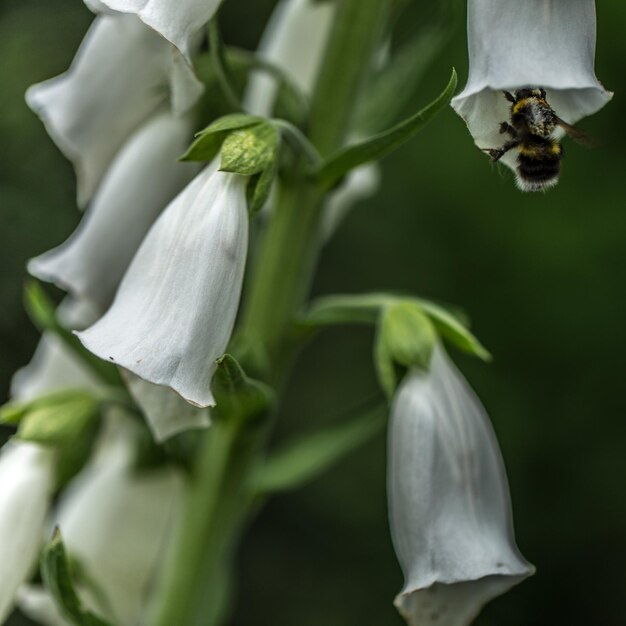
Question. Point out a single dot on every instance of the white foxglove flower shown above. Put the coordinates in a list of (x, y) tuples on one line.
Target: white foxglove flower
[(26, 483), (121, 74), (54, 367), (175, 309), (142, 180), (450, 510), (179, 21), (116, 522), (37, 604), (166, 413), (294, 41), (548, 44)]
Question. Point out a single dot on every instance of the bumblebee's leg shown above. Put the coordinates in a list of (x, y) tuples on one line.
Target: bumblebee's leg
[(497, 153), (543, 93), (509, 96), (505, 127)]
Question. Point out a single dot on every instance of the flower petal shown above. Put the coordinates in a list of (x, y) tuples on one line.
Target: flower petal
[(26, 482), (142, 180), (179, 21), (534, 43), (37, 604), (294, 41), (165, 411), (53, 367), (450, 509), (118, 78), (116, 521), (175, 309)]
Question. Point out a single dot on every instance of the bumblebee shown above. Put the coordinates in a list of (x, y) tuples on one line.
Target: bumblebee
[(531, 129)]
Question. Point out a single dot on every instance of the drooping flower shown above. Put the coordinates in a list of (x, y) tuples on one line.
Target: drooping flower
[(178, 21), (115, 521), (450, 510), (122, 73), (142, 180), (175, 309), (543, 44), (26, 483)]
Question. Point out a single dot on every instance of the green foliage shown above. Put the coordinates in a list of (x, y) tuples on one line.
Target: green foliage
[(311, 456), (55, 571), (42, 312), (239, 398), (251, 150), (382, 144)]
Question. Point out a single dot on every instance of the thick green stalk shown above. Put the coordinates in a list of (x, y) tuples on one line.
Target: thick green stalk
[(196, 587)]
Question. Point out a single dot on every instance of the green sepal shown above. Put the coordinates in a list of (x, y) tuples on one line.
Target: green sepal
[(42, 313), (405, 337), (367, 308), (250, 150), (238, 397), (304, 460), (260, 186), (55, 571), (382, 144), (58, 419), (209, 141)]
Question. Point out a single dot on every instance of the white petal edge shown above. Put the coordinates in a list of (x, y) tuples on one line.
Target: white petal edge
[(450, 511), (37, 604), (179, 21), (176, 306), (535, 43), (166, 413), (26, 482), (143, 178)]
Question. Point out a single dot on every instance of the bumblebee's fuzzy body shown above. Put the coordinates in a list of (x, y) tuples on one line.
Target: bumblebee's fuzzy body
[(531, 128)]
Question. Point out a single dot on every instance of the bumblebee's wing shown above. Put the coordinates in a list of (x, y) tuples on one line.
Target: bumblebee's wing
[(578, 135)]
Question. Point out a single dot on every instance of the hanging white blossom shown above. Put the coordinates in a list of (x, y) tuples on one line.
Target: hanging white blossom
[(26, 483), (122, 73), (142, 180), (450, 510), (548, 44), (175, 309)]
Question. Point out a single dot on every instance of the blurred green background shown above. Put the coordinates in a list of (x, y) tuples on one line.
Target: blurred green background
[(540, 275)]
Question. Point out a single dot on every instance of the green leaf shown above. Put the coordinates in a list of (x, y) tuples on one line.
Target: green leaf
[(59, 422), (209, 141), (55, 571), (453, 329), (250, 150), (346, 309), (381, 145), (308, 458), (384, 364), (42, 313), (239, 397)]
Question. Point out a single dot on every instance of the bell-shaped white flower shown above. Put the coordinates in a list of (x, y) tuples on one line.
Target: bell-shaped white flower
[(450, 510), (121, 74), (175, 309), (116, 521), (544, 44), (37, 604), (26, 483), (294, 41), (53, 366), (142, 180), (166, 413), (179, 21)]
